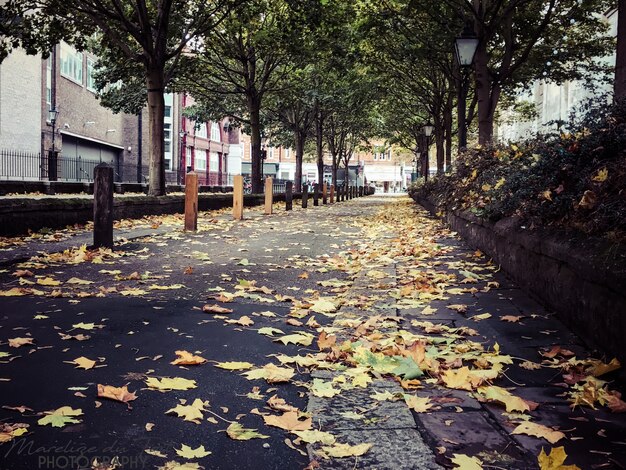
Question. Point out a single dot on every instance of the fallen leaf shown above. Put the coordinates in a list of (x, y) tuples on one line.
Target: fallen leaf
[(189, 453), (269, 331), (511, 318), (19, 342), (465, 462), (9, 431), (185, 358), (116, 393), (539, 430), (314, 436), (216, 309), (48, 281), (243, 321), (61, 417), (77, 281), (338, 450), (83, 363), (323, 306), (289, 421), (504, 397), (156, 453), (271, 373), (418, 404), (192, 413), (166, 384), (302, 338), (601, 176), (238, 432), (554, 460), (279, 404), (233, 365)]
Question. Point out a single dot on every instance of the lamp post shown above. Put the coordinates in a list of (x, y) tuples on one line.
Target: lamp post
[(53, 114), (465, 46), (181, 157), (427, 131)]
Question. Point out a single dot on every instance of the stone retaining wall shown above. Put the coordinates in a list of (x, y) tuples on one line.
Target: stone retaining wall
[(583, 281)]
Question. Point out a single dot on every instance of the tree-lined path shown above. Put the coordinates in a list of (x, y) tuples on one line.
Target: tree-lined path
[(358, 335)]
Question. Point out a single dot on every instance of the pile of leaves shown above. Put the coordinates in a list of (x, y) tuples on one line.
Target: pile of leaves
[(572, 180)]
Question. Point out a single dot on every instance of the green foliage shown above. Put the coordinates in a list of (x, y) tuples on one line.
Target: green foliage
[(574, 180)]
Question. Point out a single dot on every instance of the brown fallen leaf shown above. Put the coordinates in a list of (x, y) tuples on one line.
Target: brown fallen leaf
[(185, 358), (279, 404), (511, 318), (539, 430), (216, 309), (18, 342), (21, 408), (120, 394), (325, 341), (289, 421)]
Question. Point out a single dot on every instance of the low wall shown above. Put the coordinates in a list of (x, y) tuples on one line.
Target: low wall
[(582, 280)]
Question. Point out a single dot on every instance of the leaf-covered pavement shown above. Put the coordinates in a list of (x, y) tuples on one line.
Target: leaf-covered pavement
[(356, 329)]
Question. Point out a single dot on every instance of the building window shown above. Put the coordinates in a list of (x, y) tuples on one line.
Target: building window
[(200, 159), (188, 160), (91, 82), (167, 130), (201, 130), (71, 63), (215, 132), (214, 163)]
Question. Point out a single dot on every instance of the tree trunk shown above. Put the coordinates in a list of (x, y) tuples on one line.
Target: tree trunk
[(441, 157), (447, 119), (255, 141), (483, 91), (319, 144), (334, 171), (299, 139), (156, 109), (620, 61)]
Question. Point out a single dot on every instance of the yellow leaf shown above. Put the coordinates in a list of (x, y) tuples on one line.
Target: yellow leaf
[(486, 187), (601, 176), (465, 462), (80, 282), (547, 194), (323, 306), (457, 378), (482, 316), (48, 281), (289, 421), (173, 465), (238, 432), (418, 404), (323, 389), (83, 363), (271, 373), (345, 450), (503, 396), (133, 292), (185, 358), (61, 417), (168, 383), (189, 453), (499, 183), (314, 436), (243, 321), (539, 430), (303, 338), (555, 460), (233, 365), (156, 453), (192, 413)]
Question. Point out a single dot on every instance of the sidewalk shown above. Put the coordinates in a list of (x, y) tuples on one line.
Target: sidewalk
[(405, 348)]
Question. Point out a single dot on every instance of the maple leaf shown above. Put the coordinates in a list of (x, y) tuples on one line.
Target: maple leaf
[(86, 326), (79, 337), (503, 396), (338, 450), (216, 309), (528, 365), (554, 460), (189, 453), (301, 337), (313, 436), (116, 393), (407, 369), (156, 453), (601, 368), (77, 281), (279, 404), (238, 432), (23, 273), (615, 403), (269, 331), (325, 341), (185, 358), (385, 396), (539, 430), (191, 412), (323, 389), (234, 365), (243, 321), (173, 465), (465, 462), (48, 281), (289, 421), (10, 431), (323, 306), (601, 176), (83, 363), (418, 404), (61, 417), (271, 373), (170, 383), (457, 379), (458, 307), (19, 342), (511, 318)]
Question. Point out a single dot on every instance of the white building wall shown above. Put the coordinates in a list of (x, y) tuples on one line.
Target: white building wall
[(20, 102)]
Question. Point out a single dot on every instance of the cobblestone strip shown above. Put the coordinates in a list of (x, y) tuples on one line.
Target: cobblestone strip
[(389, 426)]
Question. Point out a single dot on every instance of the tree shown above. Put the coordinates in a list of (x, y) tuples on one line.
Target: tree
[(234, 68), (146, 37), (523, 40)]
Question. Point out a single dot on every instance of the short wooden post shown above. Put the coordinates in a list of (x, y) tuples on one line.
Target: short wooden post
[(340, 194), (269, 195), (316, 194), (351, 192), (103, 206), (289, 195), (191, 202), (360, 191), (238, 197), (305, 196), (325, 194), (332, 193)]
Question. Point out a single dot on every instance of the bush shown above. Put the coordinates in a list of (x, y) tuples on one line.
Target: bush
[(574, 180)]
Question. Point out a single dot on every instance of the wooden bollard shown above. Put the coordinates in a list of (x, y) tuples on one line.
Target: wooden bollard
[(191, 202), (324, 194), (269, 195), (340, 194), (305, 196), (289, 195), (360, 191), (103, 206), (351, 192), (316, 194), (238, 197), (332, 193)]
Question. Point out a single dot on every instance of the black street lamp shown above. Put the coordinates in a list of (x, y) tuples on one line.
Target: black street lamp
[(181, 169), (427, 131), (465, 46), (53, 114)]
